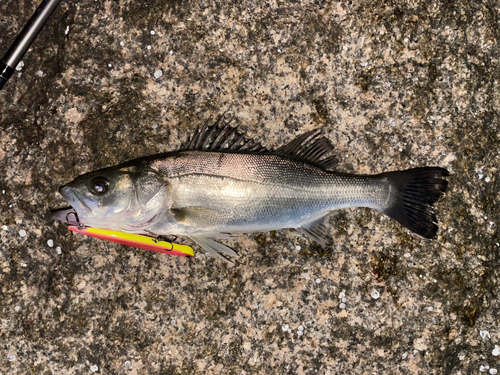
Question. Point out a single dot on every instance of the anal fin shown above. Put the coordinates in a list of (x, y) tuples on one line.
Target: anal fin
[(316, 231)]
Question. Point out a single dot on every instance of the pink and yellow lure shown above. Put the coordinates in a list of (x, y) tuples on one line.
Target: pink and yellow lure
[(136, 240)]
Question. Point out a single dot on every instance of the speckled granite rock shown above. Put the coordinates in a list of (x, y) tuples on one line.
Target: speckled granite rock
[(393, 85)]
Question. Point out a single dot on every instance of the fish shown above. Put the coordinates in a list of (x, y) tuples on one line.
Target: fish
[(221, 183)]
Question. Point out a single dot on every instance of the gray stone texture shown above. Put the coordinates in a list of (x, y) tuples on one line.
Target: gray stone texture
[(394, 85)]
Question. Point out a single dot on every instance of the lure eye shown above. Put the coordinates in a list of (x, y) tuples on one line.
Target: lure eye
[(99, 186)]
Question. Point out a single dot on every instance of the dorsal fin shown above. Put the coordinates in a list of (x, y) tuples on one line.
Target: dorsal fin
[(221, 137), (311, 147)]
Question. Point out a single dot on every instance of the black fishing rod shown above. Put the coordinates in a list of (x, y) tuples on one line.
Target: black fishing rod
[(23, 41)]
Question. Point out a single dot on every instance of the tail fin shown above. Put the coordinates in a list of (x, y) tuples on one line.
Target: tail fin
[(414, 192)]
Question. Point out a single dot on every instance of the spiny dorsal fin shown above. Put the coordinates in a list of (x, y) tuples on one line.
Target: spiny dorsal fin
[(221, 137), (311, 147)]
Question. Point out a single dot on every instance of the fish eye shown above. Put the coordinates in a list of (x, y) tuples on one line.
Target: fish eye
[(99, 185)]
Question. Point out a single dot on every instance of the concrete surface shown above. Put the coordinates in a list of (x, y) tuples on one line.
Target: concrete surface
[(393, 84)]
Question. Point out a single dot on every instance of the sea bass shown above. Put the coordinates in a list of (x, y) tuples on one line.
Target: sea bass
[(220, 183)]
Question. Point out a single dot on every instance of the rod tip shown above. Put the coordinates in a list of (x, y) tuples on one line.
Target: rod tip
[(5, 73)]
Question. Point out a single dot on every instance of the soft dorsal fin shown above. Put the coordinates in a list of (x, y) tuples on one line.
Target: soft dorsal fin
[(221, 137), (311, 147)]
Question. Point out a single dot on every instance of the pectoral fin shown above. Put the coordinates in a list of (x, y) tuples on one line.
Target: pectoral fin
[(198, 216), (214, 248)]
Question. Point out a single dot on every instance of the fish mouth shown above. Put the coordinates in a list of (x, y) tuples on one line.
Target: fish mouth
[(75, 201)]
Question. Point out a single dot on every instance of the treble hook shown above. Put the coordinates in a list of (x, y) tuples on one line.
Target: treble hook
[(167, 240), (77, 219)]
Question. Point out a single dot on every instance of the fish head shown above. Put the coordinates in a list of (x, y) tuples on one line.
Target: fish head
[(117, 197)]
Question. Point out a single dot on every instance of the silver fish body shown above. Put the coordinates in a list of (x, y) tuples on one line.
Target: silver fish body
[(221, 184), (217, 192)]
